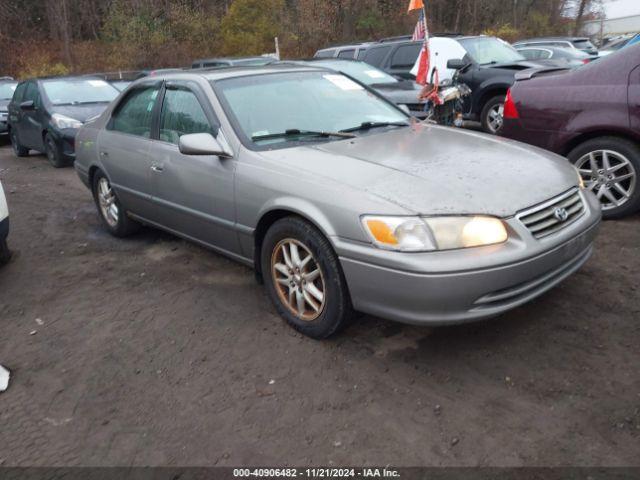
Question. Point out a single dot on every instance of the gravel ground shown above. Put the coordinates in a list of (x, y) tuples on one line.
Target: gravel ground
[(153, 351)]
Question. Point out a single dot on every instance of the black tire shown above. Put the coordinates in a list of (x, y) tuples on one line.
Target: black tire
[(486, 110), (336, 309), (124, 226), (625, 149), (5, 253), (18, 149), (53, 153)]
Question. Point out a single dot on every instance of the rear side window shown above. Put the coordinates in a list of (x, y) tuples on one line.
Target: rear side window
[(375, 56), (135, 114), (182, 114), (325, 53), (351, 53), (405, 56), (361, 53)]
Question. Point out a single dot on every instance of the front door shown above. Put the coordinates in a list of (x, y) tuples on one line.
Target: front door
[(124, 145), (29, 123), (194, 194), (634, 99)]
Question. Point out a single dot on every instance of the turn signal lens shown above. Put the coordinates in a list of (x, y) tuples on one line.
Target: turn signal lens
[(405, 234), (510, 110), (382, 232)]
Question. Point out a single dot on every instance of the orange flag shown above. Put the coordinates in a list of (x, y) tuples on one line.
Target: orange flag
[(416, 4)]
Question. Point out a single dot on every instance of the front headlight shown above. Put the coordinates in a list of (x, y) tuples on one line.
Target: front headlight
[(415, 234), (62, 121)]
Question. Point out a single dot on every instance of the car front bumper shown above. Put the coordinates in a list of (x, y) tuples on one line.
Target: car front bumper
[(65, 142), (441, 288)]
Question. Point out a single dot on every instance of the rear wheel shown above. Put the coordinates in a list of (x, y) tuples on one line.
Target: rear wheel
[(113, 216), (18, 149), (492, 116), (303, 278), (609, 167), (52, 152)]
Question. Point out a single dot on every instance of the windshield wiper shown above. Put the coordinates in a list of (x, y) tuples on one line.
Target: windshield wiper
[(370, 125), (294, 132)]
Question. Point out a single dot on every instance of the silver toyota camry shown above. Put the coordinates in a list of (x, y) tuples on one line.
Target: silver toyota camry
[(338, 199)]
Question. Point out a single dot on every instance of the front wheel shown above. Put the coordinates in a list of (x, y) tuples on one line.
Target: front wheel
[(113, 216), (492, 116), (609, 167), (304, 279), (52, 152), (5, 253)]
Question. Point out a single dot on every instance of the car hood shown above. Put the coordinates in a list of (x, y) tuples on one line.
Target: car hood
[(404, 92), (432, 170), (521, 65), (80, 112)]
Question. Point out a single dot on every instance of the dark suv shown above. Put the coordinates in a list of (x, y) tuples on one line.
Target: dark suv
[(45, 114)]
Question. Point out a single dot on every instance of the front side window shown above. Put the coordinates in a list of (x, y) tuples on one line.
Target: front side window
[(31, 93), (375, 56), (79, 91), (276, 110), (17, 97), (182, 114), (135, 114), (325, 53)]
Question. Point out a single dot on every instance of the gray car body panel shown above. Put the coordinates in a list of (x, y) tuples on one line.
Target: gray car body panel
[(419, 170)]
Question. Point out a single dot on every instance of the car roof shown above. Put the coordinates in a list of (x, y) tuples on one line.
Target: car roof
[(65, 77), (544, 39), (227, 59), (216, 74)]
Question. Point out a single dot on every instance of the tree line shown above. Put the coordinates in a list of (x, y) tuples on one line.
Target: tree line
[(42, 37)]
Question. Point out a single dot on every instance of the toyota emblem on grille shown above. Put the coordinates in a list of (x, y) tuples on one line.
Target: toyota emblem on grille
[(561, 214)]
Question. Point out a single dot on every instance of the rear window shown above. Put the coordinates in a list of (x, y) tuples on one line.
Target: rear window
[(375, 56), (583, 44), (6, 90)]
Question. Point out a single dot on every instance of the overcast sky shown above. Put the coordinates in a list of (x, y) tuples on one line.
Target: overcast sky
[(621, 8)]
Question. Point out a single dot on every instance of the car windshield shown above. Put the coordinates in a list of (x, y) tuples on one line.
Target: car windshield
[(363, 72), (79, 91), (489, 50), (6, 90), (282, 109)]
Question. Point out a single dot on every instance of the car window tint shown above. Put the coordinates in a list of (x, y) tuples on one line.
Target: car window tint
[(325, 53), (375, 56), (405, 56), (530, 54), (31, 93), (135, 114), (17, 96), (361, 53), (347, 53), (182, 114)]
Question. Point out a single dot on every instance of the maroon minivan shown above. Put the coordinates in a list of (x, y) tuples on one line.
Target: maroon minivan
[(591, 115)]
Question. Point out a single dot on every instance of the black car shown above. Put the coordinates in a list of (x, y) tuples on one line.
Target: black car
[(394, 57), (231, 62), (401, 92), (46, 113), (7, 87)]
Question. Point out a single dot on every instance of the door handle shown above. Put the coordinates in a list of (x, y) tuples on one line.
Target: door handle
[(157, 168)]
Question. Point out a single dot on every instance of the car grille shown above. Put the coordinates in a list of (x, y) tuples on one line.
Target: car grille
[(554, 215)]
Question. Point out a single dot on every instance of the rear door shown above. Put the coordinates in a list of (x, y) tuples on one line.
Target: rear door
[(194, 194), (123, 147)]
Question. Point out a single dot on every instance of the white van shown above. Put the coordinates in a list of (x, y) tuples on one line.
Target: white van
[(4, 227)]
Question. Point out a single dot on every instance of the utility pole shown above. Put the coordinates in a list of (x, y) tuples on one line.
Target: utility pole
[(515, 14)]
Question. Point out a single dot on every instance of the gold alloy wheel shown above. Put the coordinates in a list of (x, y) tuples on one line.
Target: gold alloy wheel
[(298, 279)]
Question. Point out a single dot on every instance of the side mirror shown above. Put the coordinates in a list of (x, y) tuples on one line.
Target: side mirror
[(456, 64), (28, 105), (202, 144)]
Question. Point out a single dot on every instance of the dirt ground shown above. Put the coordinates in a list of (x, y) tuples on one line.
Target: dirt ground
[(153, 351)]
